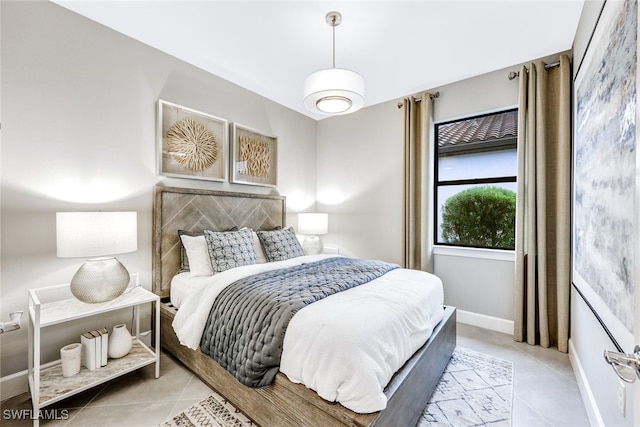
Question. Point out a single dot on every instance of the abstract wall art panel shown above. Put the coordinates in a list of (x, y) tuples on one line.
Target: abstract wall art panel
[(604, 169)]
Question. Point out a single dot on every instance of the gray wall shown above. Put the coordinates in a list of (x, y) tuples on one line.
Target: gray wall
[(79, 133)]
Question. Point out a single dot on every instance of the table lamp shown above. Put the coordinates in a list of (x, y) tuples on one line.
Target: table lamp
[(312, 224), (97, 236)]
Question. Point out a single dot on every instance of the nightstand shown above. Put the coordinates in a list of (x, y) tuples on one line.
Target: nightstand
[(53, 305), (331, 250)]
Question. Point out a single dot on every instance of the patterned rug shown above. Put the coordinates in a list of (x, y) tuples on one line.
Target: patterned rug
[(475, 390), (214, 411)]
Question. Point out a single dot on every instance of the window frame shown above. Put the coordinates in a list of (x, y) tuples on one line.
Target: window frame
[(469, 148)]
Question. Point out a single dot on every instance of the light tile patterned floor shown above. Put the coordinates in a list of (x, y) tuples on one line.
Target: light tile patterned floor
[(545, 390)]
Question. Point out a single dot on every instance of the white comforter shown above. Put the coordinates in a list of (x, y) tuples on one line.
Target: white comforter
[(347, 346)]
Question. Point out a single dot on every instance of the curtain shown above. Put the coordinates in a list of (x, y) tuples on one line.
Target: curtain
[(418, 183), (541, 309)]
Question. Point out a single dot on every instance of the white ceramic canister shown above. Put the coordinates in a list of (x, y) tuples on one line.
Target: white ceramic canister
[(70, 359)]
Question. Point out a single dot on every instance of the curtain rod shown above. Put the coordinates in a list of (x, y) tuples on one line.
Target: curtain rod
[(513, 74), (431, 95)]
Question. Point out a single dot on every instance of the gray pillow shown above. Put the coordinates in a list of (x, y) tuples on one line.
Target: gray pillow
[(279, 245), (230, 249)]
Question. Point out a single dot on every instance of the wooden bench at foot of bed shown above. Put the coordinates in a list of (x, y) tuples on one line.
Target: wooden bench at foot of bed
[(288, 404)]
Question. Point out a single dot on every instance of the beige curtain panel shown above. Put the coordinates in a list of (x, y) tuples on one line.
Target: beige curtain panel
[(541, 309), (418, 183)]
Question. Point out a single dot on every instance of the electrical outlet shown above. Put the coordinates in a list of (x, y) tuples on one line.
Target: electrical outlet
[(622, 397)]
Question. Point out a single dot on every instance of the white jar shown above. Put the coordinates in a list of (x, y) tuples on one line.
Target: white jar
[(70, 359)]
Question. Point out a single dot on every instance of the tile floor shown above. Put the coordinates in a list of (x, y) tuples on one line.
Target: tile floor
[(545, 390)]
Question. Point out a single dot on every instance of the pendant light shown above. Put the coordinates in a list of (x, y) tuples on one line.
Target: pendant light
[(334, 91)]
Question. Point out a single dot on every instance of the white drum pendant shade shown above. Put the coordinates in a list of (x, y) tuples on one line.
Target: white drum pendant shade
[(334, 91)]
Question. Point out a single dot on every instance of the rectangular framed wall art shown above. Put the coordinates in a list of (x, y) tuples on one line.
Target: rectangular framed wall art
[(604, 170), (254, 157), (191, 144)]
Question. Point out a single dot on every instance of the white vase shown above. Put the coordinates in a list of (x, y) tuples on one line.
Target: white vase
[(119, 342), (70, 359)]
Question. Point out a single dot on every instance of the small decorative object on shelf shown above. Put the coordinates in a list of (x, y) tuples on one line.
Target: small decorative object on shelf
[(94, 348), (119, 342), (88, 351), (70, 359)]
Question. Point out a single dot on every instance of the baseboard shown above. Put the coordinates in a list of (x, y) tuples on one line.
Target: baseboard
[(18, 383), (13, 385), (487, 322), (595, 419)]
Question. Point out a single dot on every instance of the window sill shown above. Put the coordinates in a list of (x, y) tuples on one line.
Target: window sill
[(493, 254)]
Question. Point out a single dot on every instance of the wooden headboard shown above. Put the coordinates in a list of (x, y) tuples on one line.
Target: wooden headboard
[(196, 210)]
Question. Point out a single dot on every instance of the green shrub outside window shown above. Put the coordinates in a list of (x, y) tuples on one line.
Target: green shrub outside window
[(481, 217)]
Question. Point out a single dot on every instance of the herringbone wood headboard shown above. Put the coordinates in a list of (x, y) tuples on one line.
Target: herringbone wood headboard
[(196, 210)]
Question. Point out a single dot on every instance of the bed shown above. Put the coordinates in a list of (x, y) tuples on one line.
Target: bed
[(283, 403)]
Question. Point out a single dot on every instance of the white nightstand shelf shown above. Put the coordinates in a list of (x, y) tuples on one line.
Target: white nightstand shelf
[(54, 305)]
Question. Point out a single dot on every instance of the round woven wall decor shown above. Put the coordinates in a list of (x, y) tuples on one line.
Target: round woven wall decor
[(192, 145)]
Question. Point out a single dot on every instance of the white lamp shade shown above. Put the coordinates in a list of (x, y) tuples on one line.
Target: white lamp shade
[(313, 223), (334, 91), (94, 234)]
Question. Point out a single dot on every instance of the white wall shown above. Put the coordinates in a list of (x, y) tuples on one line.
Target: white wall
[(78, 133), (360, 181)]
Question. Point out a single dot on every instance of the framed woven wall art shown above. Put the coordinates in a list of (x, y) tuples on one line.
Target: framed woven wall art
[(191, 144), (254, 157)]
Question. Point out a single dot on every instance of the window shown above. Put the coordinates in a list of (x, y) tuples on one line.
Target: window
[(476, 171)]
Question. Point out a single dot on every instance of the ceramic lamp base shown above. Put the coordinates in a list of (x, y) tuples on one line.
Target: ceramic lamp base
[(100, 280), (312, 245)]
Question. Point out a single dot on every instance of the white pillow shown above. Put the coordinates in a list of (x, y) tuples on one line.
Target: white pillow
[(260, 256), (198, 255)]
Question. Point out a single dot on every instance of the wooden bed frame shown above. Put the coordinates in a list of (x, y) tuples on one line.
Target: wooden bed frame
[(283, 403)]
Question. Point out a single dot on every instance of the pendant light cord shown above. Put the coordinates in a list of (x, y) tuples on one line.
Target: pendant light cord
[(333, 25)]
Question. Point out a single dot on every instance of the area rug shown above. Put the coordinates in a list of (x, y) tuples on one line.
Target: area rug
[(214, 411), (475, 390)]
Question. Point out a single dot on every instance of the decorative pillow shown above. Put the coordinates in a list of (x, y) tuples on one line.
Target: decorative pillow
[(230, 249), (261, 258), (197, 255), (184, 257), (279, 245), (257, 247)]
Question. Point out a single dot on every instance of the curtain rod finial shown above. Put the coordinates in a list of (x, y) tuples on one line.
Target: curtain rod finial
[(513, 74)]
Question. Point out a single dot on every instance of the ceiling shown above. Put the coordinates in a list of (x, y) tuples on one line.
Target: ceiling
[(399, 47)]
